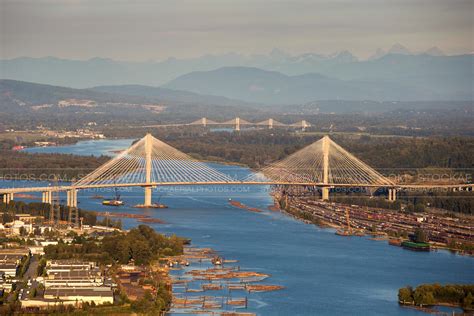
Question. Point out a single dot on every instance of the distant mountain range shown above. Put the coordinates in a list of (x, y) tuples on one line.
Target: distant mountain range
[(103, 71), (277, 78), (390, 78)]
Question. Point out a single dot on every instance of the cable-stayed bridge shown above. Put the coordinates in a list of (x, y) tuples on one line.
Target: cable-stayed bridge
[(150, 163), (238, 123)]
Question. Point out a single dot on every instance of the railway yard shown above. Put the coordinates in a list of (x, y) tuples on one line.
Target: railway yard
[(441, 230)]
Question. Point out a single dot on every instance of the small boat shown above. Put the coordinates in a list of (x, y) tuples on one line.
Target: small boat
[(395, 242), (343, 232), (114, 202), (217, 261)]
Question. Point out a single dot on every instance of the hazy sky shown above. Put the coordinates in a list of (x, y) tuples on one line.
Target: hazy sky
[(155, 29)]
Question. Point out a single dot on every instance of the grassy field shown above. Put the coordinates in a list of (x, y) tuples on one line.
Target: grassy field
[(22, 136)]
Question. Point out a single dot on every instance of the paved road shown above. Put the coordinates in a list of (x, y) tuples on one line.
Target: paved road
[(30, 274)]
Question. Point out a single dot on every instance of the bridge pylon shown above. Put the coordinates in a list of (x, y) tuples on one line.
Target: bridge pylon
[(148, 166), (8, 197), (392, 195), (71, 198), (325, 147), (46, 197)]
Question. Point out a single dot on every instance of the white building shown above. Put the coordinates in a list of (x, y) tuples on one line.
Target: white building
[(98, 295)]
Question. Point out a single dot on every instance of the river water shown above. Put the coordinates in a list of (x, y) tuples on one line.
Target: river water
[(323, 274)]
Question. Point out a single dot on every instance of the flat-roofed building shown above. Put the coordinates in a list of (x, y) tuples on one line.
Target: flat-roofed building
[(98, 295), (74, 278), (8, 270), (5, 285), (10, 259), (36, 250), (68, 265), (27, 218)]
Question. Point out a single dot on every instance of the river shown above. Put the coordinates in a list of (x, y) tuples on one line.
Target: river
[(323, 274)]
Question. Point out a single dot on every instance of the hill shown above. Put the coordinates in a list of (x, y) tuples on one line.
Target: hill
[(33, 103), (168, 95)]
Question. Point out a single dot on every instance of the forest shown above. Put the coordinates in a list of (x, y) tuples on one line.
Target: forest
[(141, 245), (256, 148)]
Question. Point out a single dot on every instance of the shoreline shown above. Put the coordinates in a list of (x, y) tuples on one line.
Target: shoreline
[(376, 236)]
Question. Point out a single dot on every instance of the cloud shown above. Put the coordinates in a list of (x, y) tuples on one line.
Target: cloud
[(140, 30)]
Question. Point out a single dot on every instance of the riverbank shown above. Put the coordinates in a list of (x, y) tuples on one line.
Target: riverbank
[(453, 234)]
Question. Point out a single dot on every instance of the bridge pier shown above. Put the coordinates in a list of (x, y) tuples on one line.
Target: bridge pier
[(46, 197), (7, 197), (148, 195), (392, 195), (71, 198), (325, 193)]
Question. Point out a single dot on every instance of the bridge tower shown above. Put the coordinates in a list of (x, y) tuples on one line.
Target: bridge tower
[(237, 123), (148, 166), (325, 189), (270, 123), (204, 121)]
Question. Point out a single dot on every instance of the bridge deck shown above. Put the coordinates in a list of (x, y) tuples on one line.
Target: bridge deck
[(153, 184)]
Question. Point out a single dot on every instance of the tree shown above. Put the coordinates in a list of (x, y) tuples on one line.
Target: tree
[(419, 207), (405, 294), (141, 252), (468, 301), (420, 235)]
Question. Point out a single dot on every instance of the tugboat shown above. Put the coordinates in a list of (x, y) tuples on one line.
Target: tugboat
[(114, 202)]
